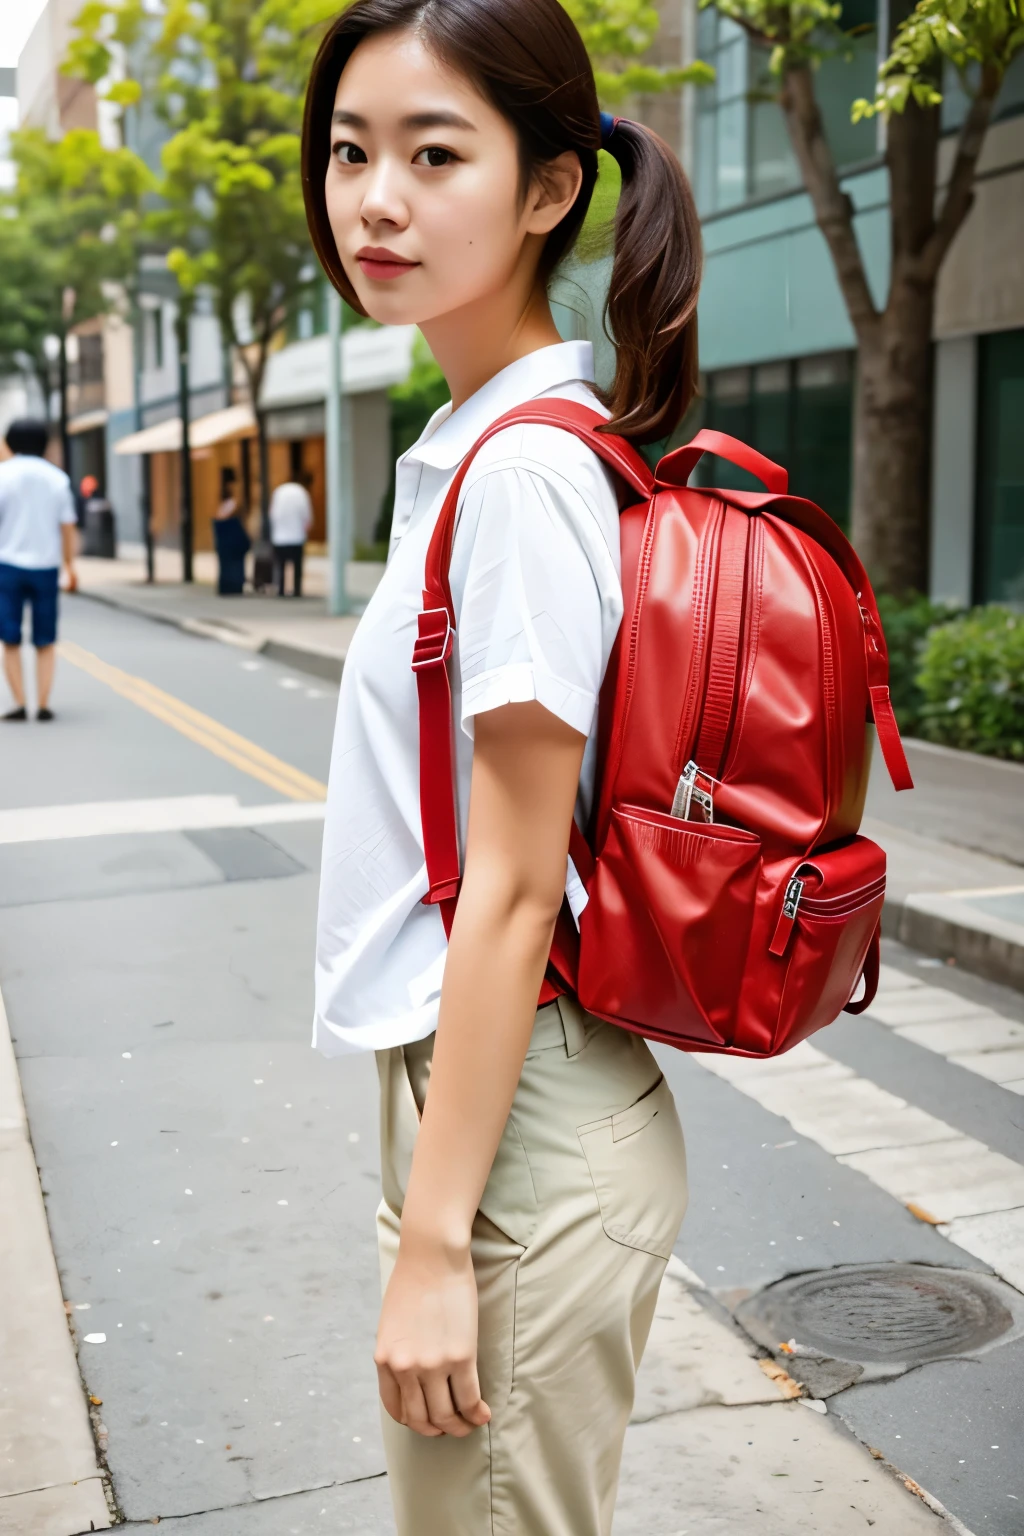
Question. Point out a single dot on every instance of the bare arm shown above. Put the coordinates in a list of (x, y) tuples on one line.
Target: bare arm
[(69, 545), (526, 767)]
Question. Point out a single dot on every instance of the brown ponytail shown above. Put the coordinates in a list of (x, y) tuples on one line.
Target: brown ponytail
[(528, 60), (652, 296)]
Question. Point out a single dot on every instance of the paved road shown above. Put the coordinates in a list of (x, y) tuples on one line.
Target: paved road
[(210, 1182)]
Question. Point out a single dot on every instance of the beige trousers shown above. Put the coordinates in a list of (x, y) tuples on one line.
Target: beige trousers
[(582, 1207)]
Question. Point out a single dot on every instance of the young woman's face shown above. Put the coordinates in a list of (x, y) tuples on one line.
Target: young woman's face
[(422, 189)]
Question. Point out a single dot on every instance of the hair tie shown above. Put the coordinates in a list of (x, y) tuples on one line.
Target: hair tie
[(608, 127)]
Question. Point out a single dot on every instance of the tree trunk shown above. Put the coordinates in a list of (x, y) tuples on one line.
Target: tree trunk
[(892, 436), (893, 406)]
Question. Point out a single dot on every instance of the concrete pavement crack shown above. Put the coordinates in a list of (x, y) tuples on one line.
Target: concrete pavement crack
[(270, 1498)]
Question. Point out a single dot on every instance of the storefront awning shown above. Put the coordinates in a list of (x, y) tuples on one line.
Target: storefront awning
[(87, 422), (226, 426)]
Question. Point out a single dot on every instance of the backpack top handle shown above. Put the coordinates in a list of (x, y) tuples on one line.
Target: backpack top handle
[(677, 467)]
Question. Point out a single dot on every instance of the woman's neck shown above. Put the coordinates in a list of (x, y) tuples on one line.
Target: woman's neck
[(472, 344)]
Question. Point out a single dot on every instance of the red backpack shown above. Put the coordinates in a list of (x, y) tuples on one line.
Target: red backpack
[(732, 904)]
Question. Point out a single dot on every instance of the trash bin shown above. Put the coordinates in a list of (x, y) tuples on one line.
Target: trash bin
[(99, 540), (263, 566)]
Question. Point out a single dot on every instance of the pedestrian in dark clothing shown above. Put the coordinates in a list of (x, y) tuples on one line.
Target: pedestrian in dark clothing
[(230, 537)]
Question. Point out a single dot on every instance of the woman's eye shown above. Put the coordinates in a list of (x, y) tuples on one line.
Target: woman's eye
[(349, 154), (434, 155)]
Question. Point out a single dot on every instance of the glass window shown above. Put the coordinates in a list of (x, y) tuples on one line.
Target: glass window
[(728, 411), (743, 148), (840, 82), (799, 414), (772, 411), (731, 180), (152, 338), (999, 565), (773, 166), (822, 432)]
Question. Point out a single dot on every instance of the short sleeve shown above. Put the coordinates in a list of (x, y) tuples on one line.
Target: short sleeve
[(537, 595), (67, 504)]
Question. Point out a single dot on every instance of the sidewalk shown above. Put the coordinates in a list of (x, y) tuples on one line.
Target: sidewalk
[(955, 845), (298, 632), (718, 1428), (955, 848)]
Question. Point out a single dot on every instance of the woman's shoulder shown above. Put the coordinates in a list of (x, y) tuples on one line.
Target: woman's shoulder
[(568, 466)]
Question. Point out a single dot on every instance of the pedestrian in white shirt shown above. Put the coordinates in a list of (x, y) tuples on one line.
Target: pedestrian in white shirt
[(37, 532), (449, 158), (291, 514)]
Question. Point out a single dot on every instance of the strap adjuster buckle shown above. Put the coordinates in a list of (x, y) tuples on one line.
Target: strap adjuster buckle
[(433, 642)]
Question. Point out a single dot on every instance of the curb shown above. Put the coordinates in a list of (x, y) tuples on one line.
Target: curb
[(326, 665), (949, 928), (323, 664), (50, 1481)]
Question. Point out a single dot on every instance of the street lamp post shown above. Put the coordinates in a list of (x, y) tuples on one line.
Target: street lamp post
[(340, 482), (186, 446)]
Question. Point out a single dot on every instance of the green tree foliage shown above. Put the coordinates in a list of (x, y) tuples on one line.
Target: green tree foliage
[(227, 78), (929, 201), (69, 234), (617, 35)]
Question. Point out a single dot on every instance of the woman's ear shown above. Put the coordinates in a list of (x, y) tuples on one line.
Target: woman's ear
[(556, 185)]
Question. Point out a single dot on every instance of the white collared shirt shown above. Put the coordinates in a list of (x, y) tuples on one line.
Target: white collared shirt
[(291, 513), (538, 602), (35, 503)]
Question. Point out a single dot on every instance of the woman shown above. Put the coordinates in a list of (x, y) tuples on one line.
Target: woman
[(230, 537), (532, 1196)]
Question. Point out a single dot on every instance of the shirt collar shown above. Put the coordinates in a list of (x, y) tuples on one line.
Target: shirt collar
[(449, 435)]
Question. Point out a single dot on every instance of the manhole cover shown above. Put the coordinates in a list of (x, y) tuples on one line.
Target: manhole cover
[(879, 1314)]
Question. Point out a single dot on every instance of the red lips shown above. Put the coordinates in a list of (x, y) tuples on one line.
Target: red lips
[(377, 261)]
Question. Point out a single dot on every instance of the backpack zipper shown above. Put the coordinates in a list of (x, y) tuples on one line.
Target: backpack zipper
[(829, 687), (642, 581), (707, 565)]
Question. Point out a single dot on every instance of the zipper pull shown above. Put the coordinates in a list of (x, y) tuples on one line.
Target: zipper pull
[(690, 790), (787, 917)]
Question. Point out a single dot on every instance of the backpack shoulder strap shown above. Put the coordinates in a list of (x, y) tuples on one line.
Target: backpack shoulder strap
[(570, 416), (434, 643)]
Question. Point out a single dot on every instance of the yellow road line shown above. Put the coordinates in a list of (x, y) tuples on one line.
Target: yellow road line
[(202, 729)]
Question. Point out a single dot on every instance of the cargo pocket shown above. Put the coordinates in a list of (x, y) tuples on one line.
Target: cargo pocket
[(637, 1160)]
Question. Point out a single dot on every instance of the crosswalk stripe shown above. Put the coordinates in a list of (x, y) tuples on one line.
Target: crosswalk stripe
[(206, 732), (967, 1034), (973, 1195), (174, 813)]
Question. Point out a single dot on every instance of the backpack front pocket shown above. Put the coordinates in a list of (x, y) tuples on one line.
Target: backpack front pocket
[(663, 940), (838, 908)]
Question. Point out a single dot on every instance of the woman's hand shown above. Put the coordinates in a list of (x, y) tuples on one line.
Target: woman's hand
[(426, 1343)]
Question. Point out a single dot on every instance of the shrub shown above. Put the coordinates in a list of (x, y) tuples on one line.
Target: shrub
[(907, 622), (972, 681)]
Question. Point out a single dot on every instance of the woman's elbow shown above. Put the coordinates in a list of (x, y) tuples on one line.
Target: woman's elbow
[(522, 903)]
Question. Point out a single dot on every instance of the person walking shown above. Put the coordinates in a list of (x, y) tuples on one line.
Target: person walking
[(533, 1166), (37, 533), (291, 515)]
